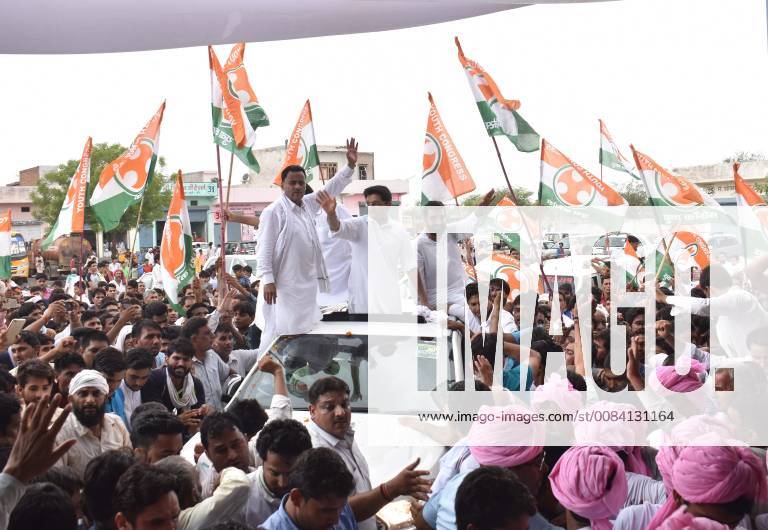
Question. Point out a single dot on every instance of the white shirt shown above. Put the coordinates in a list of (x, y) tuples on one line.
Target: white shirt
[(114, 435), (11, 491), (132, 400), (241, 361), (291, 264), (729, 310), (224, 504), (261, 501), (150, 257), (426, 256), (350, 453), (338, 255), (641, 488), (391, 254), (212, 372)]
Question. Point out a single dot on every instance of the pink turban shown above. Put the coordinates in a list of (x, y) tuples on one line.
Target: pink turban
[(696, 430), (620, 435), (558, 391), (591, 483), (709, 475), (682, 520), (503, 438), (689, 382)]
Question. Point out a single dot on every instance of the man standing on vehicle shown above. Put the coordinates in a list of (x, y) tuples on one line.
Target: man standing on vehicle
[(330, 427), (290, 260)]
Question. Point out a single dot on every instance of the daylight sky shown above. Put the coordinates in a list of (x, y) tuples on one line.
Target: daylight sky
[(684, 80)]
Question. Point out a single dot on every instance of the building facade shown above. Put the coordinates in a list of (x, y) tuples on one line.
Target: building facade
[(717, 179), (17, 197)]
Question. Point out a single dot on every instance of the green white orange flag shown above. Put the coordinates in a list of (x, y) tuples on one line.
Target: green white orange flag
[(123, 181), (565, 183), (177, 266), (630, 261), (444, 175), (72, 215), (235, 109), (499, 114), (752, 216), (666, 189), (5, 244), (302, 148), (610, 156)]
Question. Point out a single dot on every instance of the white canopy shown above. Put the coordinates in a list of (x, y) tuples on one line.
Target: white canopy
[(100, 26)]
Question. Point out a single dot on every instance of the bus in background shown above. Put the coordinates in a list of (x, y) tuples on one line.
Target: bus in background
[(19, 257)]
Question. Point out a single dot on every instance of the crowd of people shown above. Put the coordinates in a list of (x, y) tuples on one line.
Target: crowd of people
[(112, 400)]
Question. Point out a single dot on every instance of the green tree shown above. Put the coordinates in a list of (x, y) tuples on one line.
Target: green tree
[(523, 197), (744, 156), (48, 196), (634, 193)]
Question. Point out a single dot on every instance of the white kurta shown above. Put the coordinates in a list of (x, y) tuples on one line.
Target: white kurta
[(427, 260), (337, 254), (391, 254), (287, 256)]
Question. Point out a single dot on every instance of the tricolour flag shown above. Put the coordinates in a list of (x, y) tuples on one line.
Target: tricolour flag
[(630, 261), (123, 181), (444, 175), (563, 182), (666, 189), (72, 215), (752, 216), (610, 156), (302, 148), (5, 244), (235, 109), (685, 250), (177, 260), (499, 114)]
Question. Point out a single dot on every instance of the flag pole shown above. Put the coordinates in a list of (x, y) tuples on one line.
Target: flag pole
[(525, 223), (229, 179), (82, 278), (600, 148), (223, 227), (135, 237)]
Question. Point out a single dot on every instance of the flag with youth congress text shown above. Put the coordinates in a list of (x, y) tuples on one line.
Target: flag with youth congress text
[(499, 115), (235, 109), (123, 181), (666, 189), (444, 176), (72, 215), (177, 259)]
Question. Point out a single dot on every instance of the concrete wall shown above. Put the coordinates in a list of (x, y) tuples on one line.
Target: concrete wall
[(717, 179)]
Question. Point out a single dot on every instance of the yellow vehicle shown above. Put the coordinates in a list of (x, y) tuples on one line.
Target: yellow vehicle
[(19, 257)]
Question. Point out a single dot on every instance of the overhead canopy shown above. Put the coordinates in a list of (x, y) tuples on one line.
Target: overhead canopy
[(100, 26)]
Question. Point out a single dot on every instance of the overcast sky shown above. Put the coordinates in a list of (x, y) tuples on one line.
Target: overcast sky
[(684, 80)]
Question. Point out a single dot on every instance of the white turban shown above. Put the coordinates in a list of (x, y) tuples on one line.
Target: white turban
[(88, 378)]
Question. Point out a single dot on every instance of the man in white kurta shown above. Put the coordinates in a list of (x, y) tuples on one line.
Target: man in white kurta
[(390, 254), (290, 260), (338, 256)]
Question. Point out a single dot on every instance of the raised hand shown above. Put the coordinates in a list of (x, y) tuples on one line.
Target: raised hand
[(487, 198), (351, 152), (327, 203), (410, 481)]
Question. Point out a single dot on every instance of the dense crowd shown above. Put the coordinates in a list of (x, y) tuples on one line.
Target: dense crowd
[(112, 400)]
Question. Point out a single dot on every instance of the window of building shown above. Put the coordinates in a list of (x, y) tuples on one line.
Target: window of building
[(25, 209), (363, 171), (193, 203), (328, 169)]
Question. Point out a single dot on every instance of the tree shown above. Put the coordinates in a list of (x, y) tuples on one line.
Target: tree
[(635, 195), (744, 156), (523, 197), (48, 196)]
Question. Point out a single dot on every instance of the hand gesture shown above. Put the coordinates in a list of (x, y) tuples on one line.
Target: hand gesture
[(269, 365), (484, 370), (487, 198), (633, 365), (270, 293), (226, 214), (68, 344), (327, 203), (351, 152), (35, 449), (410, 481)]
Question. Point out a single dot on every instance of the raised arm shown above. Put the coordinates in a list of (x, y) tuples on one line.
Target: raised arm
[(250, 220), (340, 180)]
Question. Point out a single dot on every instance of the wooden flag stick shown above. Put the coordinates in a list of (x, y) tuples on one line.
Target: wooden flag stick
[(229, 179), (135, 237), (222, 239)]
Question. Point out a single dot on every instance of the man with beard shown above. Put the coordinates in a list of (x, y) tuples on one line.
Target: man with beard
[(94, 430), (174, 386)]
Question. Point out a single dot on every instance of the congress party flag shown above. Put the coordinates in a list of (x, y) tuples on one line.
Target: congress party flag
[(444, 175), (302, 148), (499, 114), (5, 245), (753, 216), (176, 255), (565, 183), (666, 189), (630, 262), (235, 109), (610, 156), (72, 215), (123, 181)]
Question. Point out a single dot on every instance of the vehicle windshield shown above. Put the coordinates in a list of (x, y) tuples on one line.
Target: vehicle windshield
[(613, 242), (18, 249), (310, 357)]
